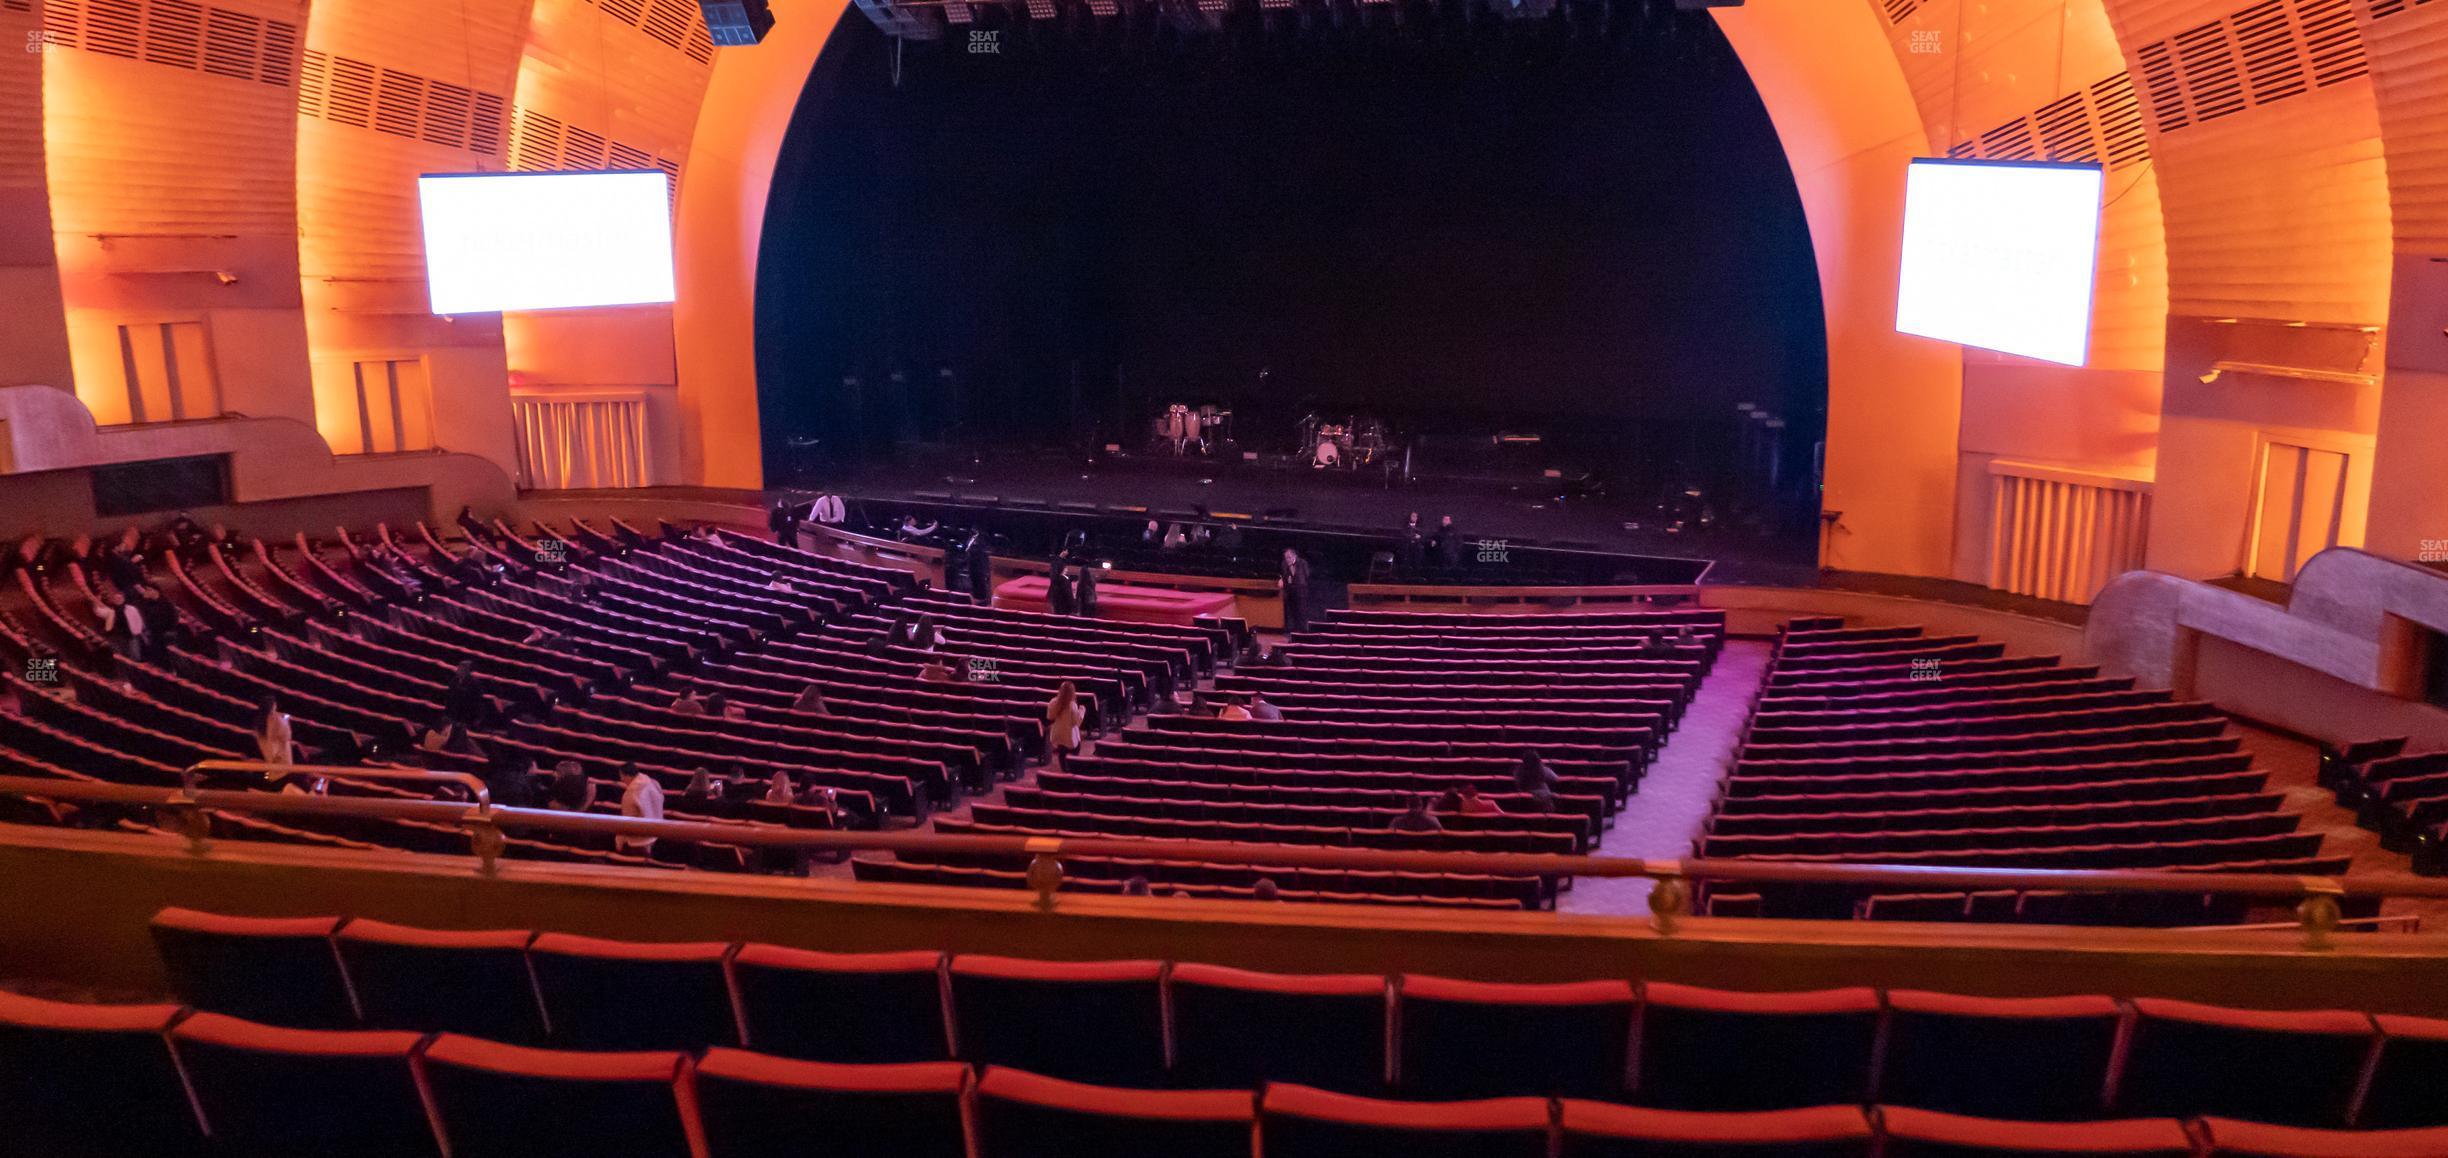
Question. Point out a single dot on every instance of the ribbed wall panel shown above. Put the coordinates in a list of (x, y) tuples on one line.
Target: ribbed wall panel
[(594, 72), (2055, 536), (21, 132), (2409, 52), (2280, 212)]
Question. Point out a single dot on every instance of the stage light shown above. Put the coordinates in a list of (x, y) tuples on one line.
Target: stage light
[(2001, 255), (540, 241)]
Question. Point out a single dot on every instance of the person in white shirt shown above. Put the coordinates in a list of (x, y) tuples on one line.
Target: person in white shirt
[(1064, 718), (274, 740), (778, 790), (641, 799), (828, 510)]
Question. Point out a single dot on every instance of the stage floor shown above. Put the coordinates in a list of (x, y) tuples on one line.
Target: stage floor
[(1527, 511)]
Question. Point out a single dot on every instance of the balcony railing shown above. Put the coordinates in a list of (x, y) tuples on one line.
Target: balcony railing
[(2316, 898)]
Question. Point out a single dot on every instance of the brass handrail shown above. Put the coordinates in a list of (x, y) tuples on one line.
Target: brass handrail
[(2316, 896), (475, 786)]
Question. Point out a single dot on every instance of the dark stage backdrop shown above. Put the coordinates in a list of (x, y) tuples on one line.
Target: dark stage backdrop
[(1592, 237)]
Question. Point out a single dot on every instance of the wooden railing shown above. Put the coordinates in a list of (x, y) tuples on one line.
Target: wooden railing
[(2316, 898)]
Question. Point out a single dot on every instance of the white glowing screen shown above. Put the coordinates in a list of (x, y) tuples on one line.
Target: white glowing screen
[(2001, 255), (541, 241)]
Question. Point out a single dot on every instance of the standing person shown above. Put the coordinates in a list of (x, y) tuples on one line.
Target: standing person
[(783, 521), (1064, 718), (1086, 596), (828, 510), (1448, 543), (1411, 550), (981, 569), (1061, 598), (123, 627), (275, 742), (641, 799), (1295, 580)]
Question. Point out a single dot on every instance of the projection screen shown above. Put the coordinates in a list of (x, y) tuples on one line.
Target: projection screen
[(2001, 255), (542, 241)]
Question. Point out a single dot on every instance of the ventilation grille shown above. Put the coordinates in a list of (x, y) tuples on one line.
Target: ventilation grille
[(2383, 9), (679, 24), (2102, 123), (347, 91), (540, 144), (1899, 11), (177, 33), (2266, 53)]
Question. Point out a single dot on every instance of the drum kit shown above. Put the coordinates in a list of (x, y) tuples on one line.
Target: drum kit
[(1354, 441)]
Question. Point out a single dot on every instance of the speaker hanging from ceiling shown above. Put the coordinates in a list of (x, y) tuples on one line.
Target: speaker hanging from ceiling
[(733, 23)]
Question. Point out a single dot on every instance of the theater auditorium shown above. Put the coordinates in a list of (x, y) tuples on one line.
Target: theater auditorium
[(1242, 578)]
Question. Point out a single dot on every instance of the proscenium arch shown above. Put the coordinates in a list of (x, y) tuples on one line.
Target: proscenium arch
[(1823, 69)]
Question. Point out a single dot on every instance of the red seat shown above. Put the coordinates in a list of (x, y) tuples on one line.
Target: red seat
[(631, 995), (755, 1106), (1087, 1021), (2291, 1068), (1700, 1049), (2256, 1140), (274, 970), (1300, 1122), (2043, 1059), (2409, 1086), (507, 1101), (297, 1093), (842, 1007), (475, 982), (1023, 1115), (1230, 1028), (1464, 1039), (54, 1058), (1914, 1133), (1603, 1130)]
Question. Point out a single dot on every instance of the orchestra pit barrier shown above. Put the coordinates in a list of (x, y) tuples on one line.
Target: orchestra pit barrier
[(2316, 899)]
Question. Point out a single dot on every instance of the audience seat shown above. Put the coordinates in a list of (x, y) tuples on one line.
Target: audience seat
[(842, 1007), (54, 1058), (1301, 1122), (2287, 1068), (1603, 1130), (507, 1101), (2258, 1140), (2044, 1059), (2409, 1086), (754, 1106), (634, 995), (275, 970), (473, 982), (1475, 1039), (1914, 1133), (1230, 1026), (1023, 1115), (1700, 1049), (268, 1092), (1085, 1021)]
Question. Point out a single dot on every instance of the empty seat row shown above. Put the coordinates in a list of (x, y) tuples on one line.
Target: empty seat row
[(1150, 1024)]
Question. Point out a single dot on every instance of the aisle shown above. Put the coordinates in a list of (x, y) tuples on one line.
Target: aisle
[(1681, 785)]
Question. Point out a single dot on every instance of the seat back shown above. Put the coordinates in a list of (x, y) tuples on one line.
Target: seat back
[(2256, 1140), (634, 995), (2288, 1068), (1084, 1021), (296, 1093), (1604, 1130), (1700, 1049), (754, 1106), (1023, 1115), (2044, 1059), (54, 1056), (842, 1007), (1301, 1122), (1914, 1133), (273, 970), (2407, 1085), (1471, 1039), (507, 1101), (476, 983), (1237, 1029)]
